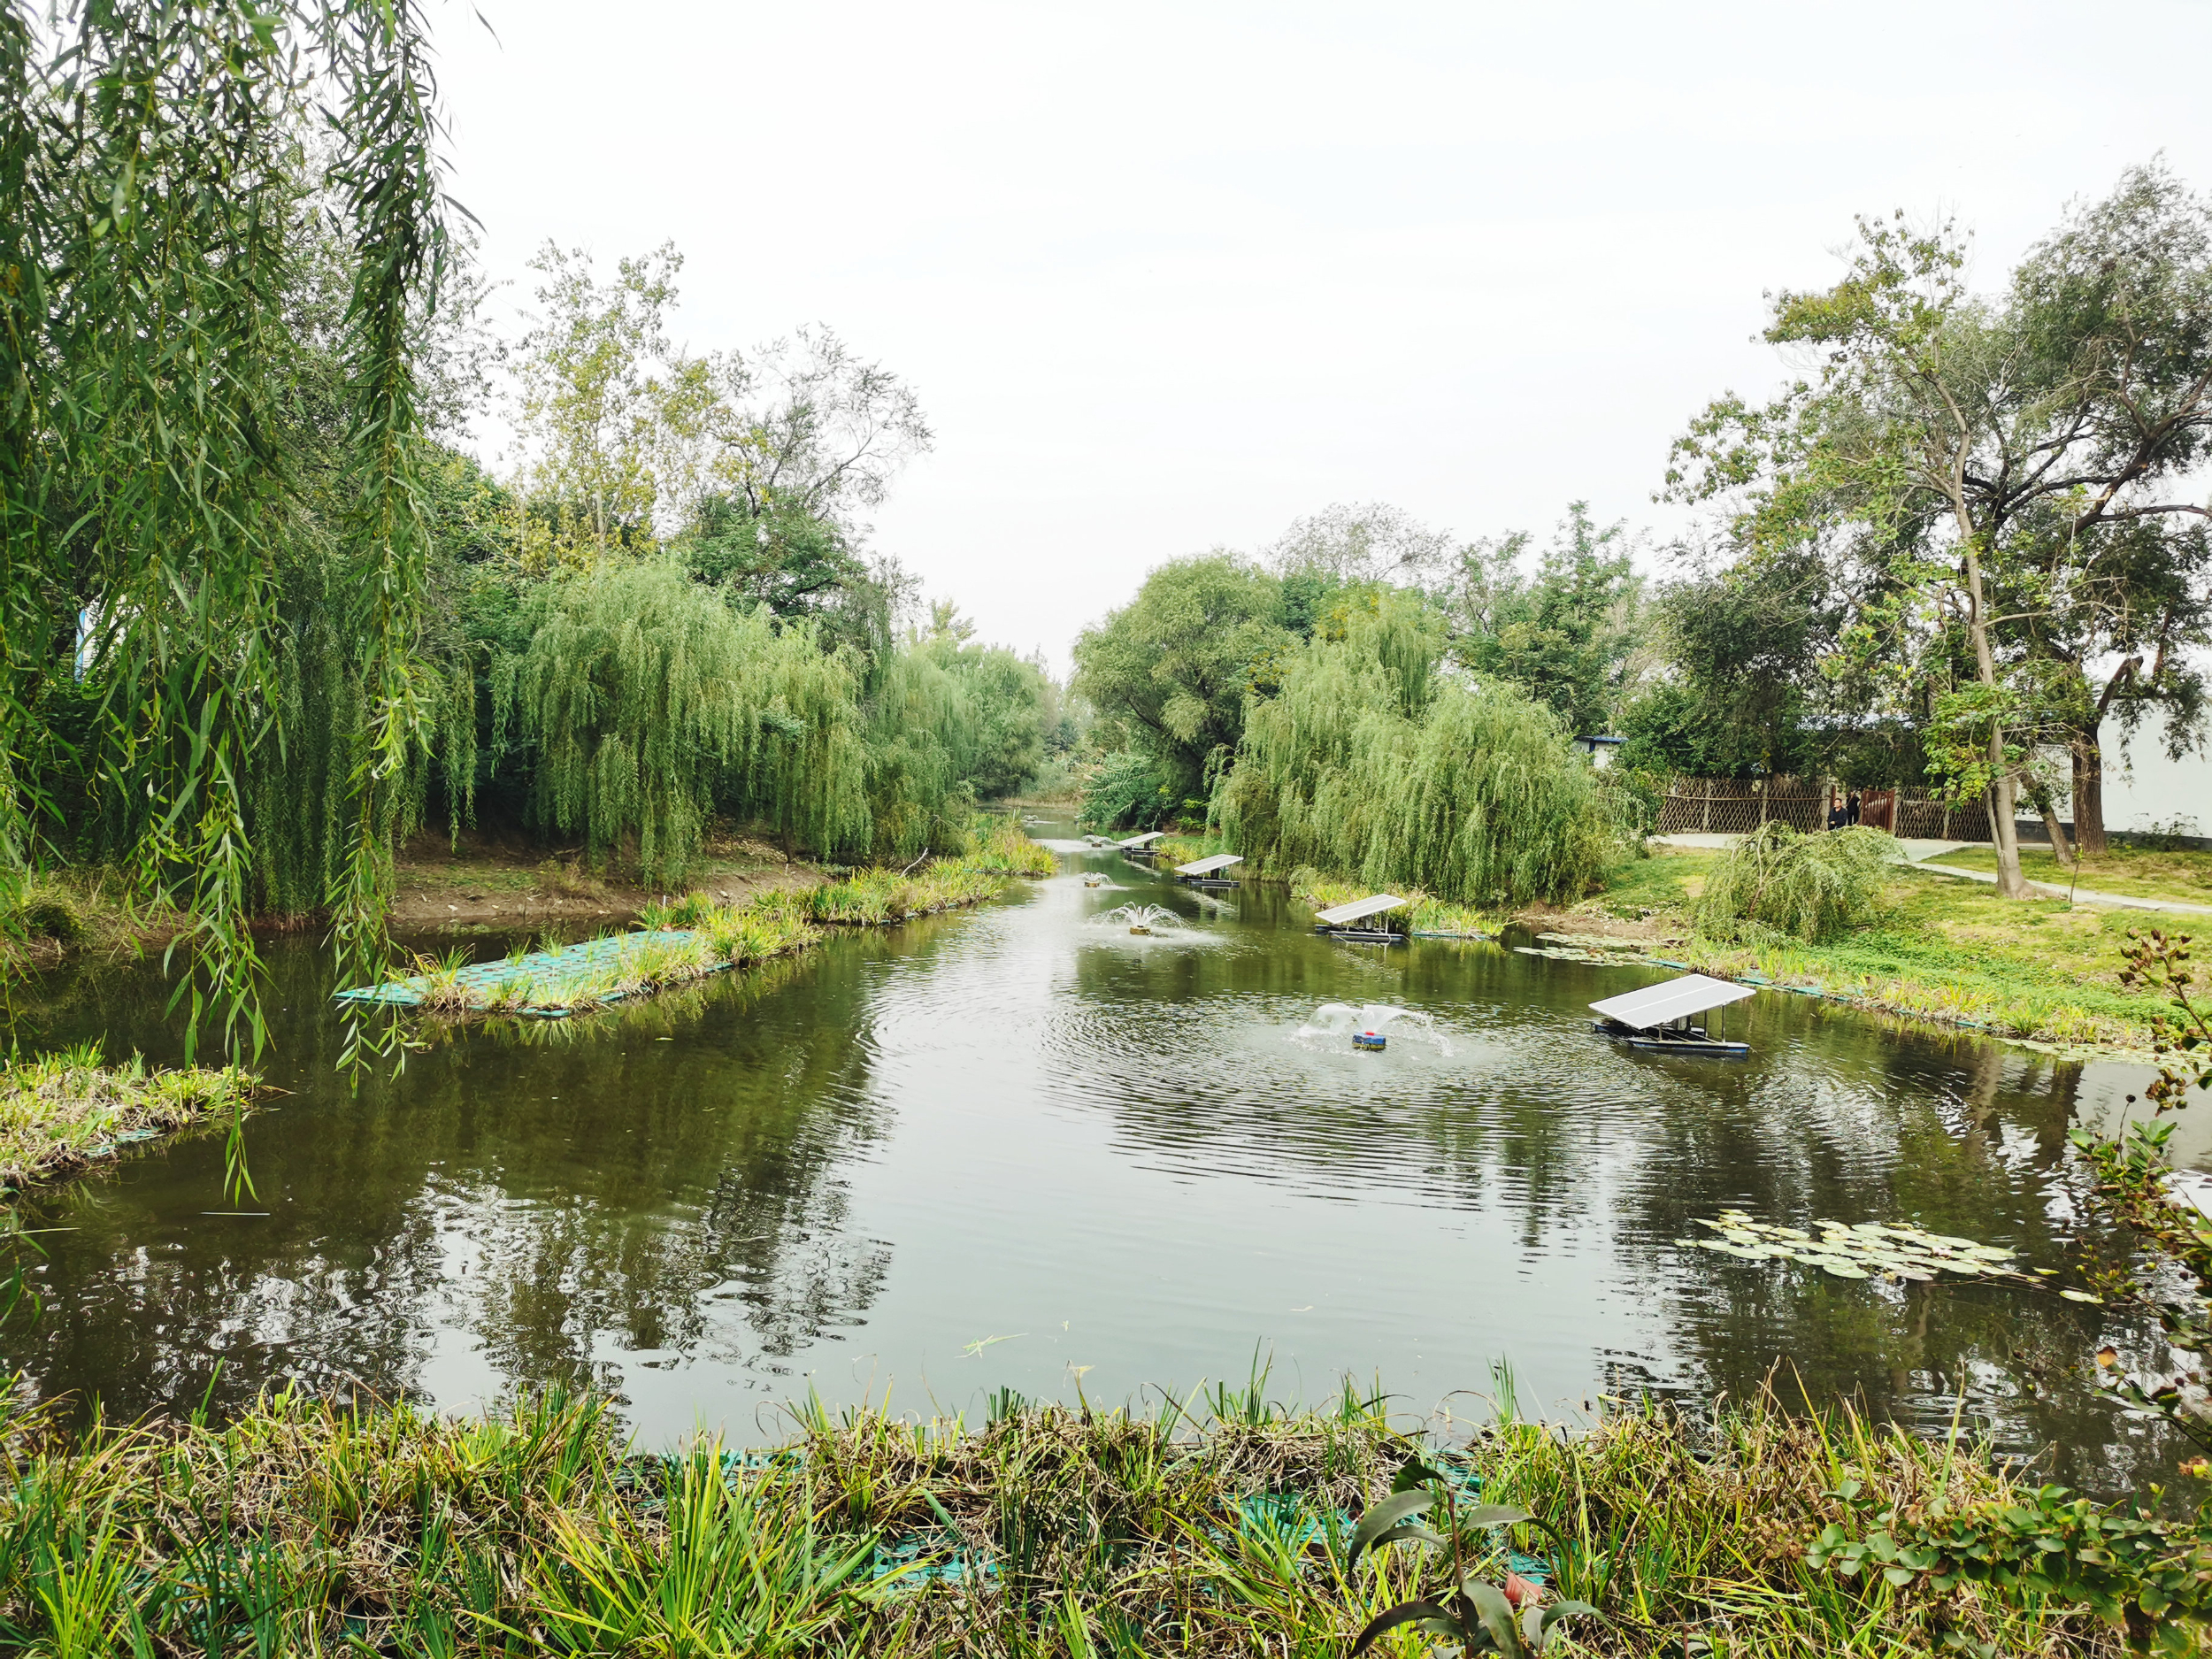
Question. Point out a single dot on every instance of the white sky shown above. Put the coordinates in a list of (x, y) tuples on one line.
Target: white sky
[(1169, 277)]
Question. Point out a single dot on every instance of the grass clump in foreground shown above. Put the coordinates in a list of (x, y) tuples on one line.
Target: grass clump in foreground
[(62, 1112), (304, 1527)]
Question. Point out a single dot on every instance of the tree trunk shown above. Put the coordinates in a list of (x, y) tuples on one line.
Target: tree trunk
[(2056, 831), (2089, 838), (2002, 829)]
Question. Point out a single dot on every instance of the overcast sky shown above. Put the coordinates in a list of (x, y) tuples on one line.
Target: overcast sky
[(1168, 278)]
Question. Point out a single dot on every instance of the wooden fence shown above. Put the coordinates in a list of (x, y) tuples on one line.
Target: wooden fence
[(1733, 806)]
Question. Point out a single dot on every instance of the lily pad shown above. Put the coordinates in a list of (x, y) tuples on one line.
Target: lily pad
[(1897, 1252)]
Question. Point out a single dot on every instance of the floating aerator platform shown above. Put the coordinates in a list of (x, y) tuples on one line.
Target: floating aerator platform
[(1207, 872), (1657, 1019), (1343, 921), (552, 984)]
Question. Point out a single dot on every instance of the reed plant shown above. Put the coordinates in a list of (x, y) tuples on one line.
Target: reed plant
[(1220, 1522)]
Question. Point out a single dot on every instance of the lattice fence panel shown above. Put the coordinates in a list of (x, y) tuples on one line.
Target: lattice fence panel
[(1732, 806)]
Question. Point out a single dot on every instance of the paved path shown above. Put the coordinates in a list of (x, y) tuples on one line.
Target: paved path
[(1918, 852), (2081, 895)]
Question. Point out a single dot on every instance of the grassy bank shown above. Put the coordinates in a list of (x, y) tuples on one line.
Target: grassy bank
[(2128, 872), (1214, 1528), (46, 914), (1940, 950), (66, 1111), (691, 937)]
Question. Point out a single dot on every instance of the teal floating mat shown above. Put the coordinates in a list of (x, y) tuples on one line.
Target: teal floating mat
[(550, 984)]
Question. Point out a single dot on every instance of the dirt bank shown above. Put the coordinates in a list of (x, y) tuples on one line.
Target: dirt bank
[(488, 882)]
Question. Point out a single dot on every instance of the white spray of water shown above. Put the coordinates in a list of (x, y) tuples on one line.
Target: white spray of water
[(1341, 1019), (1143, 918)]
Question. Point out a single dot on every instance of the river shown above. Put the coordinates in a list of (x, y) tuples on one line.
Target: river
[(1022, 1148)]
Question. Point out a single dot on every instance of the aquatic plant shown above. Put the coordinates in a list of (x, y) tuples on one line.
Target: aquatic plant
[(1002, 848), (1812, 887), (686, 938), (1870, 1249), (60, 1112), (1368, 764)]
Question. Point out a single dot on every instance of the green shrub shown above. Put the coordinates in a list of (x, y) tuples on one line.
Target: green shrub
[(1813, 886)]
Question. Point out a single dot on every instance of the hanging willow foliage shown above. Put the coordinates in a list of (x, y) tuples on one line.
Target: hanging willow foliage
[(922, 740), (1370, 762), (644, 699), (145, 158)]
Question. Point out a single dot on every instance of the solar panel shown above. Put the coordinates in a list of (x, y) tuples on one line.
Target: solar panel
[(1657, 1004), (1207, 866), (1358, 909)]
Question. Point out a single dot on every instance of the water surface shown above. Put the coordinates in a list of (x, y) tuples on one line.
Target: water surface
[(1020, 1147)]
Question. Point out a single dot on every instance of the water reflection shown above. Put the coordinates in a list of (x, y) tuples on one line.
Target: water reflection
[(994, 1148)]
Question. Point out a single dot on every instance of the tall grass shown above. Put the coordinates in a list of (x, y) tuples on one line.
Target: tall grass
[(1216, 1525), (1372, 764), (1811, 886)]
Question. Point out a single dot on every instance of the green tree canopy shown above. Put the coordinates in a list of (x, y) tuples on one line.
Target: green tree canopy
[(1367, 760), (1565, 632), (150, 160), (1952, 453), (1174, 665)]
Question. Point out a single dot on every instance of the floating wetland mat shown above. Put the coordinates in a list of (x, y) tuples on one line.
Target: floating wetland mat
[(552, 984)]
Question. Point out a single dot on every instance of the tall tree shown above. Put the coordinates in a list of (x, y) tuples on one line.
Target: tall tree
[(594, 386), (147, 158), (1937, 426), (1745, 643), (1565, 631), (2114, 311), (1175, 663)]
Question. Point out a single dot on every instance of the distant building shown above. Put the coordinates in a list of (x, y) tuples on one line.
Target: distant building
[(1600, 749)]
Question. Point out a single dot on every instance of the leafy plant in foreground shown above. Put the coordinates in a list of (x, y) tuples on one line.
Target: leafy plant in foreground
[(1478, 1615)]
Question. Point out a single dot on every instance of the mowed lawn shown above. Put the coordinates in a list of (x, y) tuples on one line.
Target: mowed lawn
[(2130, 872), (1945, 948)]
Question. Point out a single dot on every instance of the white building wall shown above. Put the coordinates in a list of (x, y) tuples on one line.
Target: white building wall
[(2144, 789)]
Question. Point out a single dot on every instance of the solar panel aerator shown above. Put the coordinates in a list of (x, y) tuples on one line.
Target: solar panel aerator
[(1658, 1018)]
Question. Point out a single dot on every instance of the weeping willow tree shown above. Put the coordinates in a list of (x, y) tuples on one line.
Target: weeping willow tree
[(922, 729), (146, 156), (1371, 762), (643, 699)]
